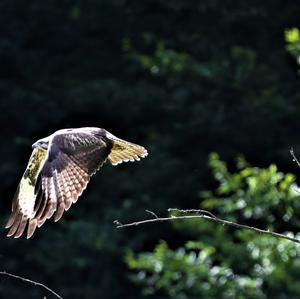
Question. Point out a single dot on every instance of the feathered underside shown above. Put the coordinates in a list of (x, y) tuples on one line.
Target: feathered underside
[(55, 178)]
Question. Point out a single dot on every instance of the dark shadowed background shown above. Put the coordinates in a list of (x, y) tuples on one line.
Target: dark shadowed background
[(184, 79)]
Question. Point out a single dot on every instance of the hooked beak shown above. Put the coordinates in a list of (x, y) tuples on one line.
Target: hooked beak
[(34, 145), (40, 144)]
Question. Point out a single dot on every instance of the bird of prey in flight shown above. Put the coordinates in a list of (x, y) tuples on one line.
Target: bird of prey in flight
[(59, 170)]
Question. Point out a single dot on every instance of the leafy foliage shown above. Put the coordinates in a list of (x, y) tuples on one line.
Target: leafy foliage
[(220, 262), (292, 37), (261, 194)]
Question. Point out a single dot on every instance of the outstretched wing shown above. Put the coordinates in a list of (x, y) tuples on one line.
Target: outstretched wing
[(124, 151), (73, 156), (24, 199)]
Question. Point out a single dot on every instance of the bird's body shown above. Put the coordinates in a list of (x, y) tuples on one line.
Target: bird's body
[(59, 170)]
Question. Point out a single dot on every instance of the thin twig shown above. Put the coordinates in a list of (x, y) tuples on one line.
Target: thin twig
[(31, 281), (213, 218), (294, 157), (297, 162), (151, 213)]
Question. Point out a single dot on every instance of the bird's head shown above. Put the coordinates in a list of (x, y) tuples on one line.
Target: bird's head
[(41, 143)]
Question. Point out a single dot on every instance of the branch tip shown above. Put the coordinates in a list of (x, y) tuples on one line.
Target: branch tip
[(117, 223)]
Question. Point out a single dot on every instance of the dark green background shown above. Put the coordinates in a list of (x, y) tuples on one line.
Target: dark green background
[(182, 78)]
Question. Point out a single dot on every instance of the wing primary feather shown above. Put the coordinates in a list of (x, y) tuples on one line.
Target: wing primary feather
[(11, 219), (68, 197), (14, 213), (53, 199), (15, 225), (50, 206), (32, 225), (42, 206), (41, 222), (22, 226), (73, 178), (80, 182), (59, 195), (38, 198), (42, 215)]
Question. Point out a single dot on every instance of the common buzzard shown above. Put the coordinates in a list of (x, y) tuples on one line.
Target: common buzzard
[(59, 170)]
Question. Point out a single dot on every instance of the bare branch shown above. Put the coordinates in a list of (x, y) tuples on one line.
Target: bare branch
[(203, 214), (30, 281), (207, 215)]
